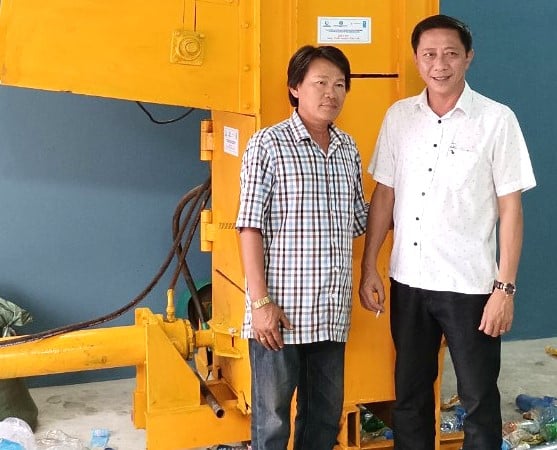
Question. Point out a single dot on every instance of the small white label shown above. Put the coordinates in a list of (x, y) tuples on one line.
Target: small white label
[(344, 30), (231, 137)]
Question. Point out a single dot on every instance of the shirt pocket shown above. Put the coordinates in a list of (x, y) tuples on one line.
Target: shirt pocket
[(461, 167)]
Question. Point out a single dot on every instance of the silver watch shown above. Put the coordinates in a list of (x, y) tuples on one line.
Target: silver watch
[(507, 288)]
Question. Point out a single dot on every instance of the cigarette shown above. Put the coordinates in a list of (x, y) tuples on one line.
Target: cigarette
[(377, 314)]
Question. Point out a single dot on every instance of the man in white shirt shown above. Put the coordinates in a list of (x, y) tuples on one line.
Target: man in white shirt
[(449, 164)]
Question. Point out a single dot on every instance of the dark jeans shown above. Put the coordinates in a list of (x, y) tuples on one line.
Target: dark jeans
[(419, 318), (317, 370)]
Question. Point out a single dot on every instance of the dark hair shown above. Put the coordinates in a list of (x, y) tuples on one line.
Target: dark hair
[(446, 22), (300, 61)]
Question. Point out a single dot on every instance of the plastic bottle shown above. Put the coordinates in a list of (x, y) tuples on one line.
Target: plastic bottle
[(453, 421), (383, 434), (369, 422), (58, 440), (518, 437), (9, 445), (460, 414), (506, 445), (13, 432), (527, 402), (548, 423), (523, 446), (531, 426), (448, 423)]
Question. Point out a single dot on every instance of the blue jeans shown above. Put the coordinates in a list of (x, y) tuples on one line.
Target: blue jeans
[(419, 318), (317, 370)]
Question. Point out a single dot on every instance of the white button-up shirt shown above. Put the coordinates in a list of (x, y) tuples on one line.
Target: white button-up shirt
[(447, 173)]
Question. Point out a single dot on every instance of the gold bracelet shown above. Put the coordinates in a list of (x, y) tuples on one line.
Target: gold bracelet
[(261, 302)]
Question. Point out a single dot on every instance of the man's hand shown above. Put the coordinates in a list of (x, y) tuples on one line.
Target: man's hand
[(371, 286), (498, 313), (266, 323)]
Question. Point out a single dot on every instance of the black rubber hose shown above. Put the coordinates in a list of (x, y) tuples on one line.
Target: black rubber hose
[(141, 296)]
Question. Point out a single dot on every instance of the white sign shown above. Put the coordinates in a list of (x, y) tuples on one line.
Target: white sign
[(231, 137), (343, 30)]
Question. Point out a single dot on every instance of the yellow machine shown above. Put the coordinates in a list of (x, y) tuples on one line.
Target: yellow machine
[(230, 57)]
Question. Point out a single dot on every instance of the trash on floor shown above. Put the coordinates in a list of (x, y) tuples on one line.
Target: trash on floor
[(372, 428), (452, 420), (16, 434), (450, 403), (15, 400), (99, 439), (537, 429), (58, 440)]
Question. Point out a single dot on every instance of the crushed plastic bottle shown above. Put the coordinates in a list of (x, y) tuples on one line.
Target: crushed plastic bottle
[(519, 437), (453, 421), (383, 434), (58, 440), (548, 423), (448, 423), (526, 402), (369, 422), (531, 426), (372, 428), (506, 445), (15, 432), (99, 439)]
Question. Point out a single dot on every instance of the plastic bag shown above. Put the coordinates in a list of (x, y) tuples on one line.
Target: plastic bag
[(15, 400), (14, 430)]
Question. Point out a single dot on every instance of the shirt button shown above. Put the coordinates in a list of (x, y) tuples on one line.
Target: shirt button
[(439, 121), (423, 193), (430, 169), (417, 218), (415, 244), (435, 145)]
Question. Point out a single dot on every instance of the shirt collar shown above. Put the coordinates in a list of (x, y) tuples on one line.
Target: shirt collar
[(299, 130), (301, 133), (464, 102)]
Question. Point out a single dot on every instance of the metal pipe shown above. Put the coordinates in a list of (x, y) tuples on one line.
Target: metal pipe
[(210, 398), (91, 349)]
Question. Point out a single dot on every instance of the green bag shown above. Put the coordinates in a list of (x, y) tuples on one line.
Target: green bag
[(15, 399)]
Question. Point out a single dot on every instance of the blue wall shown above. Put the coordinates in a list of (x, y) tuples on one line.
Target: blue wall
[(88, 188), (516, 64)]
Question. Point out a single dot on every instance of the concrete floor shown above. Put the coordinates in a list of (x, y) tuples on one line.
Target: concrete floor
[(78, 409)]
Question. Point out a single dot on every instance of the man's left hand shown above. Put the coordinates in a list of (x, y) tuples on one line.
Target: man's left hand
[(498, 313)]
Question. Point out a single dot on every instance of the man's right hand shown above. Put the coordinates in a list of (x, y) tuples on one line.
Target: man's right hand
[(372, 292)]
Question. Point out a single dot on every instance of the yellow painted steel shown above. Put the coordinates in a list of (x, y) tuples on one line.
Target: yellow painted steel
[(229, 56), (81, 350)]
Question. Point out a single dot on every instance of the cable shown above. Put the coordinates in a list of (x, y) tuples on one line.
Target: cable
[(181, 253), (164, 122), (194, 193)]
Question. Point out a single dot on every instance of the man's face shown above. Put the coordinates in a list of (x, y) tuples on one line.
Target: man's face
[(322, 92), (442, 61)]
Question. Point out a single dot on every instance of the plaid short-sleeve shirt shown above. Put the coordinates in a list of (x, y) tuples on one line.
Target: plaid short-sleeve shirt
[(309, 206)]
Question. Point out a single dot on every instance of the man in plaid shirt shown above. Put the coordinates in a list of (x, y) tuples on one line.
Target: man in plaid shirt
[(301, 205)]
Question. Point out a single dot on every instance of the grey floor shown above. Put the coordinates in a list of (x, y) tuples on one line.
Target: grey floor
[(78, 409)]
